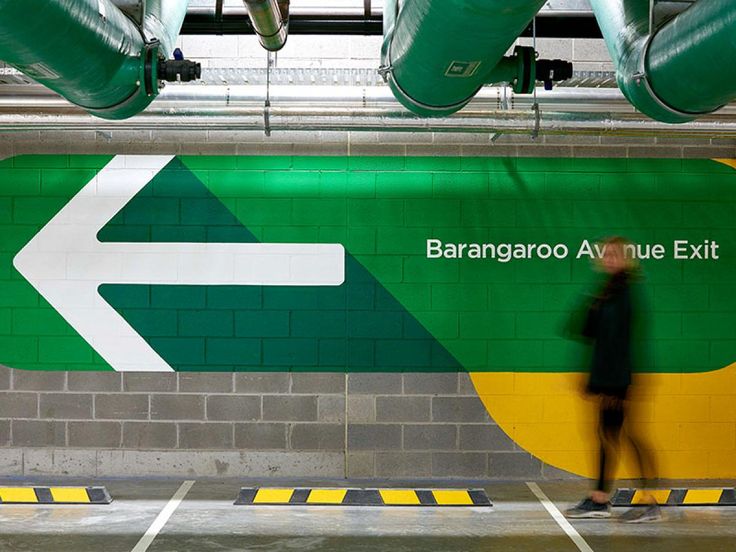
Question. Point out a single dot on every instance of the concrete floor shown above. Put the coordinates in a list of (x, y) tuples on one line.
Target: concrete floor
[(207, 521)]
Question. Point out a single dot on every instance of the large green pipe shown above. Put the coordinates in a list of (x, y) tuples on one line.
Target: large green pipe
[(89, 51), (685, 70), (438, 53)]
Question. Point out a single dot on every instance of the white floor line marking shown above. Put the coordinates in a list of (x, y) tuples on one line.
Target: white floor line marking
[(559, 518), (163, 517)]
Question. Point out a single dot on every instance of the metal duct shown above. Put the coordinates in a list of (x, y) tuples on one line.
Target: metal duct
[(270, 20), (314, 108), (680, 71), (91, 53), (438, 53), (339, 119), (188, 99)]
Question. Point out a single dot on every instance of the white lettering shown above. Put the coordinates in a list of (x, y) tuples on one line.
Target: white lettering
[(585, 250), (434, 249), (561, 251), (680, 249)]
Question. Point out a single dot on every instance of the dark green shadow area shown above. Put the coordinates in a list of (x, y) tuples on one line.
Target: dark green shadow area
[(358, 326)]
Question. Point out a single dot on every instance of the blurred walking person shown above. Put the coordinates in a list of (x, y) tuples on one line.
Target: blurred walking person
[(609, 325)]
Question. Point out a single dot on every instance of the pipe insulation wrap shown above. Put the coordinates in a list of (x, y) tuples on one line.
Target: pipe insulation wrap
[(89, 51), (438, 53), (685, 69)]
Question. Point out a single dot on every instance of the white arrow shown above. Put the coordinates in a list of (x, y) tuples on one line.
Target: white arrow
[(66, 263)]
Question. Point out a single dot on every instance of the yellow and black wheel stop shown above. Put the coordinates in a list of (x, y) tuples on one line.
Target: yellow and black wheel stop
[(255, 496), (54, 495), (675, 497)]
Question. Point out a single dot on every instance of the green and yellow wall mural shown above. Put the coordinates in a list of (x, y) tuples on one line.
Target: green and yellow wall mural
[(160, 263)]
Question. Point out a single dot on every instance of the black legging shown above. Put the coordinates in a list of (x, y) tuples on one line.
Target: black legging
[(612, 416)]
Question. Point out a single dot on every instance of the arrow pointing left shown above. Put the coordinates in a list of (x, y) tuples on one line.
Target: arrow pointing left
[(66, 263)]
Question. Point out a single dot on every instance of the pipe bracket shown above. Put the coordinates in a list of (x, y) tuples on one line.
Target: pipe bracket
[(641, 77)]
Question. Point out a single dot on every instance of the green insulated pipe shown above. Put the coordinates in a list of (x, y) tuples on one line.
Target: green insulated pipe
[(438, 53), (90, 52), (685, 69)]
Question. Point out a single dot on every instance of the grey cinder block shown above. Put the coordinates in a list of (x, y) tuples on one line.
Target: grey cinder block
[(430, 384), (18, 405), (317, 437), (374, 383), (205, 382), (195, 463), (297, 408), (374, 437), (149, 435), (430, 437), (513, 465), (38, 433), (126, 406), (4, 377), (459, 409), (361, 465), (331, 408), (261, 436), (94, 381), (402, 409), (237, 408), (319, 383), (150, 383), (12, 461), (177, 407), (458, 464), (377, 149), (95, 434), (49, 461), (361, 408), (4, 433), (32, 380), (266, 382), (552, 473), (215, 436), (65, 405), (488, 437), (403, 464), (465, 385)]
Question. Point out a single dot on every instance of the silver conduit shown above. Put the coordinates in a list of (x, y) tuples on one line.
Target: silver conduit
[(311, 108), (270, 22)]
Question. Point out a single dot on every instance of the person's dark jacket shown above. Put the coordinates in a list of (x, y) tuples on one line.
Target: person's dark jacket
[(608, 325)]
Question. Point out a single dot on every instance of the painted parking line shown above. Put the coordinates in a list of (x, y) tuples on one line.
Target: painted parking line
[(163, 517), (559, 518)]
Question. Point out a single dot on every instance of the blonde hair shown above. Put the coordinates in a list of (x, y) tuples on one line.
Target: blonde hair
[(628, 249)]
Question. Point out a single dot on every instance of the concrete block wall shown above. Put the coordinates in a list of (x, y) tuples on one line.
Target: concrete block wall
[(253, 425), (298, 424)]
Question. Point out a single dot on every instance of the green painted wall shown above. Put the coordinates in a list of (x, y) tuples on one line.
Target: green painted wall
[(397, 310)]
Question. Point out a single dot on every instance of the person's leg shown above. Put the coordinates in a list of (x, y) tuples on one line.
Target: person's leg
[(648, 471), (644, 458), (597, 504), (609, 430)]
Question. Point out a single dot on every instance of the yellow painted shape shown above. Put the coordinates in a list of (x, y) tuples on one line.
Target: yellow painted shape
[(644, 497), (702, 496), (729, 162), (273, 496), (18, 494), (326, 496), (399, 497), (452, 498), (688, 420), (70, 494)]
